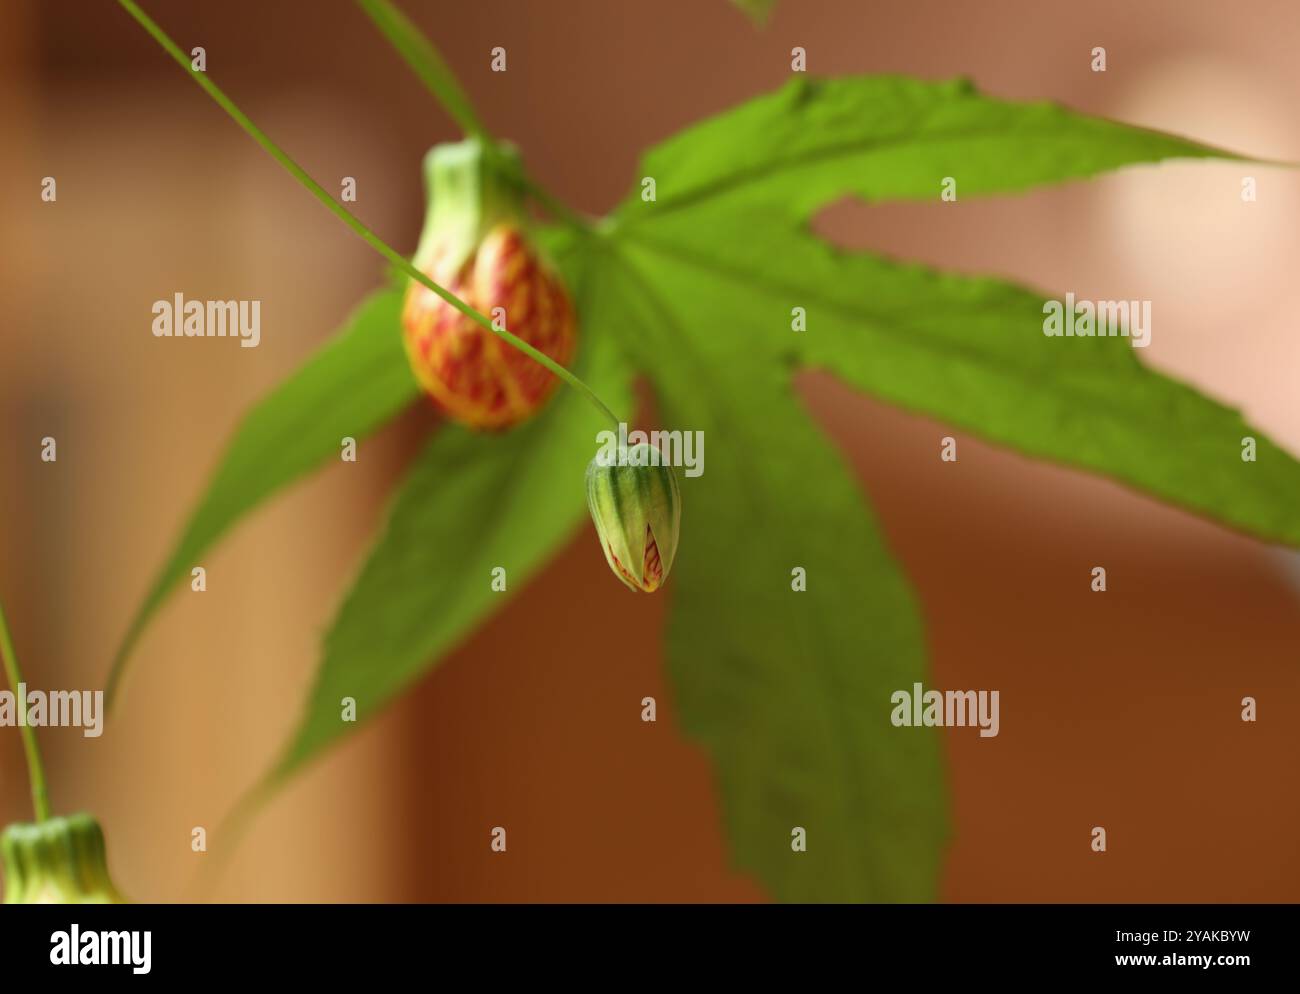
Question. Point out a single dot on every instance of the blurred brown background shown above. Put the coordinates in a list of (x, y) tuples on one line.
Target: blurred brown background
[(1120, 710)]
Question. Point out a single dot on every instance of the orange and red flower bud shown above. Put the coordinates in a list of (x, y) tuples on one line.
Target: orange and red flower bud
[(475, 245)]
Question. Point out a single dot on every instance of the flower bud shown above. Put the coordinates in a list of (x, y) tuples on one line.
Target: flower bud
[(475, 245), (637, 507), (57, 861)]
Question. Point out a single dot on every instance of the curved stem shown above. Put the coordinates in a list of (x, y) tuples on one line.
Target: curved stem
[(35, 769), (353, 222), (557, 208), (428, 63)]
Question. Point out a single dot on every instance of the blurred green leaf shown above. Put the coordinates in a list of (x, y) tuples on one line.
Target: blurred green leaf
[(882, 138), (471, 502), (972, 352), (356, 383), (758, 10), (788, 691)]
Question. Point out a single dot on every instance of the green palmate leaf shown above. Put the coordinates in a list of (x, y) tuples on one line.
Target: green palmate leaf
[(883, 138), (969, 351), (972, 352), (472, 502), (789, 690), (352, 386)]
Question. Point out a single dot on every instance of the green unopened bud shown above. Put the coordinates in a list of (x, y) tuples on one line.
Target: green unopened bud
[(57, 861), (637, 507)]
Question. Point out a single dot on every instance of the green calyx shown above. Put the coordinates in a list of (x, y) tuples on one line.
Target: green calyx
[(57, 861), (634, 499), (471, 186)]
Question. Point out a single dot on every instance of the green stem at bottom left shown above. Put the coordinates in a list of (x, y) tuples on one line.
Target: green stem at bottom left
[(35, 769)]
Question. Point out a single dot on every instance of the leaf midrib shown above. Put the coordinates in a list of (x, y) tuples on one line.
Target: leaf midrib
[(855, 807), (1032, 376), (765, 172)]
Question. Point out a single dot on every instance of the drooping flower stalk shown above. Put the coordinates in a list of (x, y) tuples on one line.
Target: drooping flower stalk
[(422, 55), (54, 860), (35, 768)]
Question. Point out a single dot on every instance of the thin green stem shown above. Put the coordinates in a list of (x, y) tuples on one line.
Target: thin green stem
[(353, 222), (554, 206), (35, 768), (423, 56)]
